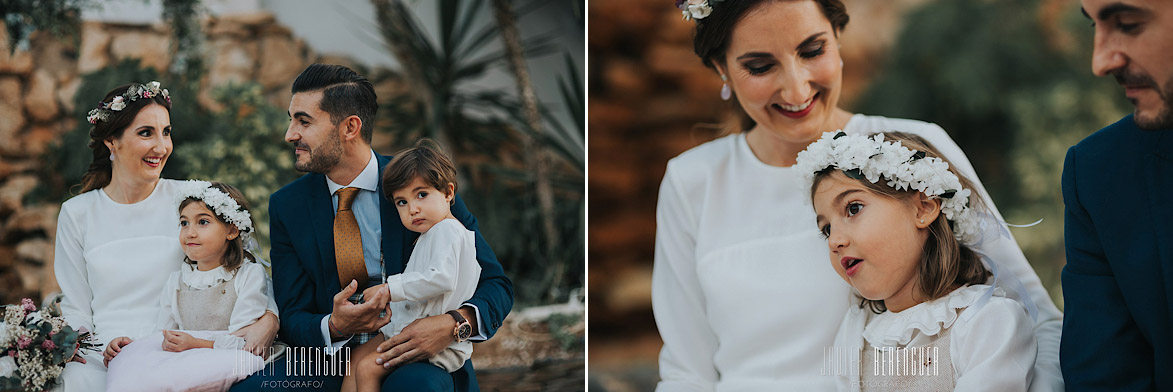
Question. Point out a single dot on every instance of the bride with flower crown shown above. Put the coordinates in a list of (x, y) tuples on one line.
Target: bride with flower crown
[(116, 241)]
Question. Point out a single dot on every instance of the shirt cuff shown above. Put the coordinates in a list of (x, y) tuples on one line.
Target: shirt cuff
[(480, 336), (331, 347)]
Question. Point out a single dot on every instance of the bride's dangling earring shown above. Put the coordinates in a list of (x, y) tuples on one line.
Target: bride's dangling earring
[(726, 92)]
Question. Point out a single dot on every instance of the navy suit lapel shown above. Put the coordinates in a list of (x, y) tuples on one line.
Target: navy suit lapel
[(1160, 185), (394, 241), (322, 217)]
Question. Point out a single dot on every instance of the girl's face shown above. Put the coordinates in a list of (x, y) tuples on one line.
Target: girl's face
[(421, 206), (875, 241), (144, 146), (202, 235), (783, 63)]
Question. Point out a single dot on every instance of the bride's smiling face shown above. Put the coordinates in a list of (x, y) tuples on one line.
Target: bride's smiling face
[(142, 150), (783, 64), (203, 236)]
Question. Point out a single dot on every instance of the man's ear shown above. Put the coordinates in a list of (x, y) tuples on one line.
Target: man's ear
[(927, 210), (351, 128)]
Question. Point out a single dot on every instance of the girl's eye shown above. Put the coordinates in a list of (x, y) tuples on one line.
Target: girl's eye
[(167, 132), (183, 224), (853, 208), (400, 203), (422, 195), (204, 221), (144, 133), (825, 231)]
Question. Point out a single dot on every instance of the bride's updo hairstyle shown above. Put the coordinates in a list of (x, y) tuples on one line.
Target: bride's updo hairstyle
[(713, 32), (100, 170)]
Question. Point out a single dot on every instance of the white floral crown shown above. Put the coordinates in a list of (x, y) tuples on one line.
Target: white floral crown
[(116, 104), (870, 158), (222, 204), (696, 9)]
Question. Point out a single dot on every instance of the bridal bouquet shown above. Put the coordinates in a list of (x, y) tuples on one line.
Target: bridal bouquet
[(36, 345)]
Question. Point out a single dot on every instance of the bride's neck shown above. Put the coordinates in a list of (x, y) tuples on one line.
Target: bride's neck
[(126, 191), (775, 149)]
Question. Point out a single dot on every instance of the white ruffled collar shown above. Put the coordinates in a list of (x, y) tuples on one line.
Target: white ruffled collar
[(891, 329), (197, 279)]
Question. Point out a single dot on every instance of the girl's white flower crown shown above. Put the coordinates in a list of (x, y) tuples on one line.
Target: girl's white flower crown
[(116, 104), (222, 204), (871, 158)]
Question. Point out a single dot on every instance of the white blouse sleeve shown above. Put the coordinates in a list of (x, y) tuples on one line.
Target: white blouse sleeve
[(271, 305), (251, 296), (69, 267), (1049, 326), (686, 360), (995, 349), (441, 253), (166, 318)]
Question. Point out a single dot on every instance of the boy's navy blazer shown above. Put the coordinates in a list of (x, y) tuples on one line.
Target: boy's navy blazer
[(305, 276), (1118, 281)]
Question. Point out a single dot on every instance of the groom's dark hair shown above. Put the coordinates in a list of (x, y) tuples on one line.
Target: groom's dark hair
[(345, 93)]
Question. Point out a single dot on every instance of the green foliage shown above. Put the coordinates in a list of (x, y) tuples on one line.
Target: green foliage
[(242, 146), (22, 17), (559, 325), (1013, 93), (482, 129)]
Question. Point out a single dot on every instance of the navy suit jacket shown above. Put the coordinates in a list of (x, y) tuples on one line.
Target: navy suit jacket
[(305, 276), (1118, 282)]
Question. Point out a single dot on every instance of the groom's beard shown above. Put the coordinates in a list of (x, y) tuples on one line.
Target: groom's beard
[(323, 158), (1164, 117)]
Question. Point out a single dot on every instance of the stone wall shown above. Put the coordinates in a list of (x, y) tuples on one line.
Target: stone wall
[(37, 89)]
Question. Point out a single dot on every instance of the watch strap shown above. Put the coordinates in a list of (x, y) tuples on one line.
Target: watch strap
[(456, 316)]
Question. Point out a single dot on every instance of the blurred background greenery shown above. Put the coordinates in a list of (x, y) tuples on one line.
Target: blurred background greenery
[(1009, 80)]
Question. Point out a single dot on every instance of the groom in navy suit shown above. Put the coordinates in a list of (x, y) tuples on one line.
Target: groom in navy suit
[(1118, 282), (331, 119)]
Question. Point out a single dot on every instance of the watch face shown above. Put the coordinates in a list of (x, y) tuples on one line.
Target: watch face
[(463, 331)]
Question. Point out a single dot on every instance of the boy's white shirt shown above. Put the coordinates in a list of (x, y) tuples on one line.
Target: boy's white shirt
[(368, 179)]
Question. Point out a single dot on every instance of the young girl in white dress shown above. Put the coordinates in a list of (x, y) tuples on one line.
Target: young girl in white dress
[(219, 289), (899, 222), (442, 272)]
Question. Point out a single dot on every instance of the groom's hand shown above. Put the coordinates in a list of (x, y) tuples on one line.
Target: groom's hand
[(348, 318), (421, 340)]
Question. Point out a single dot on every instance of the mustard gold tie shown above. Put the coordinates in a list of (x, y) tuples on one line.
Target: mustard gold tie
[(348, 241)]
